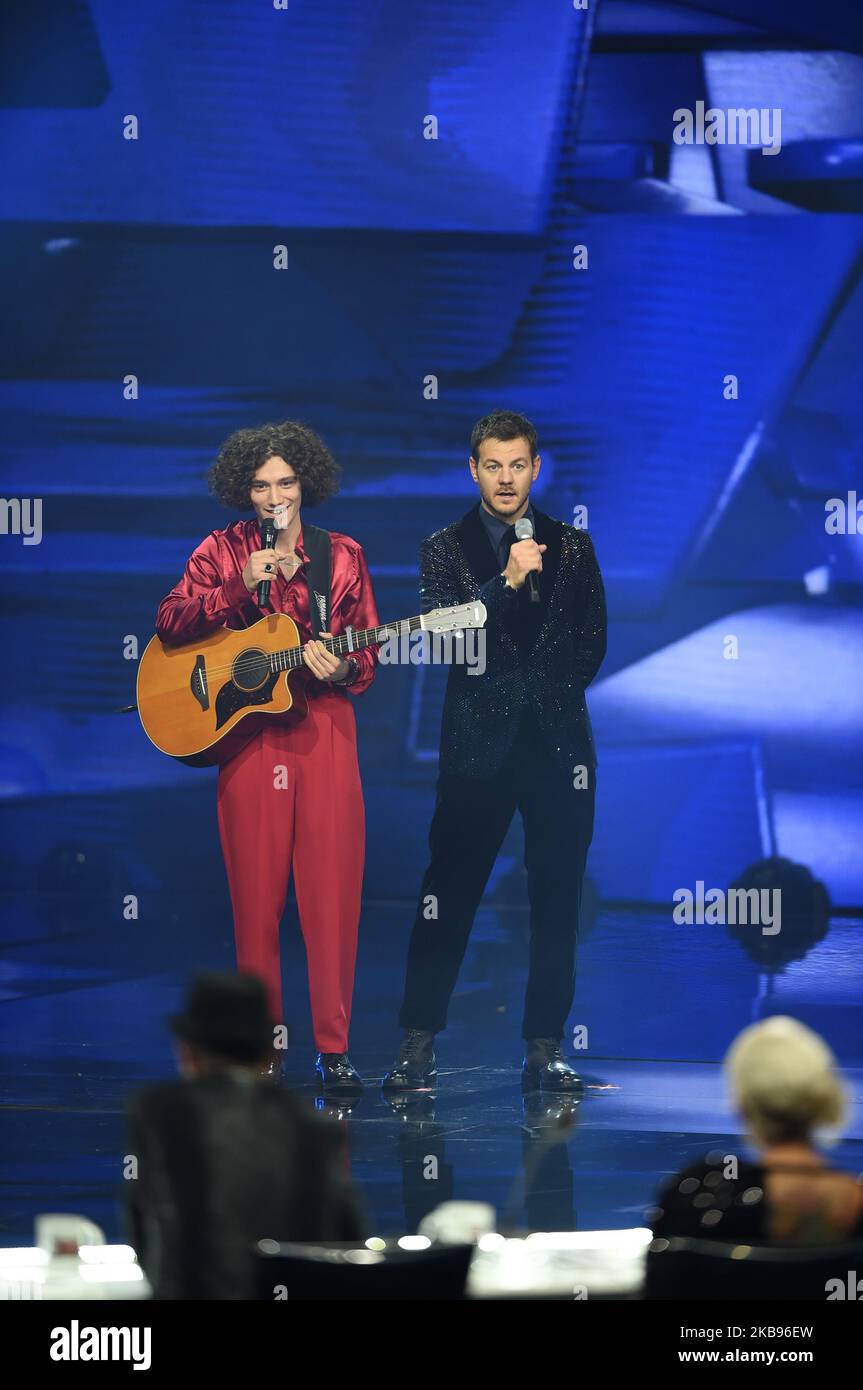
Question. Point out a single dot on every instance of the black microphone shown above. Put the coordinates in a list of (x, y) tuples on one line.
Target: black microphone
[(524, 532), (268, 540)]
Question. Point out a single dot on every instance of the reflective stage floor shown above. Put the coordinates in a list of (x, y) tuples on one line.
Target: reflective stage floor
[(83, 1025)]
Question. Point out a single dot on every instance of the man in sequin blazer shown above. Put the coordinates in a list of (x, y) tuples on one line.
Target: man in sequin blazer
[(517, 736)]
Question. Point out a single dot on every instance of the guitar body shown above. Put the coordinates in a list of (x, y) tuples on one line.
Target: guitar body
[(201, 702)]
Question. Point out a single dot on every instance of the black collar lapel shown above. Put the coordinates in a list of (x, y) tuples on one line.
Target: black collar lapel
[(548, 533), (483, 563), (481, 559)]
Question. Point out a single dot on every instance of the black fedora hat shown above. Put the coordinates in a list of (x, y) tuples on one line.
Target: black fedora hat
[(226, 1013)]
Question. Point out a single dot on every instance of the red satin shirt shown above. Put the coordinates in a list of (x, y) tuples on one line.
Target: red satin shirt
[(212, 593)]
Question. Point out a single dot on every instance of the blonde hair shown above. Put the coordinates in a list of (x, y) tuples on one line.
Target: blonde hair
[(784, 1081)]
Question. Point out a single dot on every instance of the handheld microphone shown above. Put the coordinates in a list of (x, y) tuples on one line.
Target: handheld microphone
[(268, 540), (524, 532)]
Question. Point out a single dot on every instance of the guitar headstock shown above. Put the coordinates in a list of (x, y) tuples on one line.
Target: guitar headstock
[(456, 619)]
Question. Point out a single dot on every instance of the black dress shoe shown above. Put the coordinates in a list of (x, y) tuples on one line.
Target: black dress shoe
[(337, 1072), (544, 1068), (415, 1068), (272, 1067)]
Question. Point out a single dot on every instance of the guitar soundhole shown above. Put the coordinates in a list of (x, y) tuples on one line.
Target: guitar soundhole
[(251, 669)]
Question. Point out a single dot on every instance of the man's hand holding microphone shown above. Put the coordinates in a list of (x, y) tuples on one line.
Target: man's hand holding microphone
[(525, 560), (255, 570)]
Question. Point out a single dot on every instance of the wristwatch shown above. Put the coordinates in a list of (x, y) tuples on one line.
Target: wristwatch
[(352, 673)]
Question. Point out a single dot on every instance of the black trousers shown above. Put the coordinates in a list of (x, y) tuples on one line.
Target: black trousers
[(471, 819)]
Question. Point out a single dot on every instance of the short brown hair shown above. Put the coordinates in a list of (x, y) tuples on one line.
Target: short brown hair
[(503, 424)]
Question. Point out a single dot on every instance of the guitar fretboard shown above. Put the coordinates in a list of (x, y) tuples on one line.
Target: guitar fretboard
[(346, 642)]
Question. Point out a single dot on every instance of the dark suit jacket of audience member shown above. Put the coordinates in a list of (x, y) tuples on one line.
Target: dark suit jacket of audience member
[(223, 1162)]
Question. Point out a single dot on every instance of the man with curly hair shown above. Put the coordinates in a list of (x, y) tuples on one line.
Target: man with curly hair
[(316, 823)]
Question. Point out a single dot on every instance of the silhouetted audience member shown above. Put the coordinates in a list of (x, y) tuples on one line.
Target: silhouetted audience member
[(784, 1083), (226, 1157)]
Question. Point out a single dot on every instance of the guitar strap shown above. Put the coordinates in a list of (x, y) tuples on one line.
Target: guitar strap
[(318, 547)]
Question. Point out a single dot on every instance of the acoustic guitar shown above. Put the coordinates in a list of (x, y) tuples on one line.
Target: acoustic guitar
[(202, 701)]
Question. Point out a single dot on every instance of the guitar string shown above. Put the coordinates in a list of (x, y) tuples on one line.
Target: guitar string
[(292, 663), (341, 638), (298, 664)]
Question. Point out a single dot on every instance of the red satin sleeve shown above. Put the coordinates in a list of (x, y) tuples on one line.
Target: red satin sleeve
[(358, 610), (204, 598)]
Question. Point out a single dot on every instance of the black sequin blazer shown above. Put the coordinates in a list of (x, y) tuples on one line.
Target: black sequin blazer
[(481, 712)]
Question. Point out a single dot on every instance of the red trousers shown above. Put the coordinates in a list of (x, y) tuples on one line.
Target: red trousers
[(292, 798)]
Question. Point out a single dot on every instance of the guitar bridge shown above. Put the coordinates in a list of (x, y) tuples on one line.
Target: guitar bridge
[(198, 683)]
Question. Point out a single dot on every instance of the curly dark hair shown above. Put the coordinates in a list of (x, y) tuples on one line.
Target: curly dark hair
[(243, 453)]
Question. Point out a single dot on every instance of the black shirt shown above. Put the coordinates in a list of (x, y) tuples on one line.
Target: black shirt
[(702, 1202), (524, 618), (501, 534)]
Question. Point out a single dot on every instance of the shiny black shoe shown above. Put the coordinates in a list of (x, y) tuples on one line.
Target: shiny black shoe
[(337, 1073), (272, 1068), (545, 1069), (415, 1067)]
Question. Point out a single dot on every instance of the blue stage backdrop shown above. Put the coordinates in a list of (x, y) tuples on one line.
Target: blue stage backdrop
[(386, 220)]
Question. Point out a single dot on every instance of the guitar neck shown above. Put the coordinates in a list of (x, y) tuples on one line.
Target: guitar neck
[(347, 642)]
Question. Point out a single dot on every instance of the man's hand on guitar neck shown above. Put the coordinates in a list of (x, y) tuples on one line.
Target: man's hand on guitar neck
[(321, 661)]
